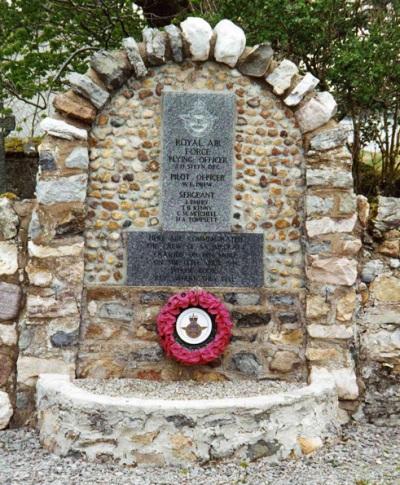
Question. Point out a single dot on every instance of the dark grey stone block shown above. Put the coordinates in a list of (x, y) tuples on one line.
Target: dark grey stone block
[(175, 258), (197, 161)]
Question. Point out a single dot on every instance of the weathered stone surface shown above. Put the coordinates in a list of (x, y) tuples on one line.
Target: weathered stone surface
[(6, 410), (327, 225), (307, 84), (390, 248), (245, 428), (371, 270), (345, 380), (8, 335), (30, 368), (62, 339), (386, 288), (329, 178), (116, 311), (318, 205), (247, 363), (328, 139), (8, 220), (10, 298), (71, 248), (174, 37), (78, 158), (39, 278), (345, 306), (381, 345), (113, 68), (316, 112), (61, 129), (242, 298), (75, 106), (329, 331), (155, 43), (334, 271), (281, 77), (38, 306), (283, 361), (8, 258), (133, 53), (324, 354), (63, 189), (316, 307), (230, 42), (388, 216), (89, 89), (256, 61), (197, 33)]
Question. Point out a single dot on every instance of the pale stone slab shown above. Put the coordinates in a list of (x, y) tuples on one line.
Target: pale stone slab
[(327, 225), (198, 34), (8, 258), (281, 78), (6, 410), (71, 249), (388, 213), (307, 84), (10, 298), (78, 158), (316, 112), (386, 289), (83, 85), (29, 368), (329, 331), (329, 178), (61, 129), (8, 334), (345, 380), (133, 53), (230, 42), (8, 220), (63, 189), (328, 139), (333, 271)]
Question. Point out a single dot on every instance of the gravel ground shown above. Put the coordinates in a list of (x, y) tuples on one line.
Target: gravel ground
[(183, 389), (367, 455)]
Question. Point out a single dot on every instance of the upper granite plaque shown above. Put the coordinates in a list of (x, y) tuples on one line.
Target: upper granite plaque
[(197, 157)]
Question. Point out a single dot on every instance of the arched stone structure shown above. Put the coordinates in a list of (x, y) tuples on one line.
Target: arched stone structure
[(294, 185)]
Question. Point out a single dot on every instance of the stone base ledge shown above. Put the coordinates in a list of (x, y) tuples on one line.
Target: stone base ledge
[(73, 421)]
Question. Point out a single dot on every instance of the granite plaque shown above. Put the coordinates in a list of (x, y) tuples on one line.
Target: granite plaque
[(174, 258), (197, 160)]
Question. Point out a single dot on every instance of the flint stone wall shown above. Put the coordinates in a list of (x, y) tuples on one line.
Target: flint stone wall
[(379, 316)]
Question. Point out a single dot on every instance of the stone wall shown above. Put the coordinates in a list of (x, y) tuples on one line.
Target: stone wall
[(14, 218), (379, 316)]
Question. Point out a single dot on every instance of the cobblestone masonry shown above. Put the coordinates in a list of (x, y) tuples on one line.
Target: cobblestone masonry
[(293, 183)]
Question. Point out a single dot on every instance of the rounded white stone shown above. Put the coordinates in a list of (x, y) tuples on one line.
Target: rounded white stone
[(6, 410), (198, 34), (230, 42)]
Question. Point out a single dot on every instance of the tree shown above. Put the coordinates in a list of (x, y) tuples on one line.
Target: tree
[(37, 37)]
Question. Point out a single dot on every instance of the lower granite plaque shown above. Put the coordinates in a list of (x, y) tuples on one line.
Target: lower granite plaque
[(173, 258)]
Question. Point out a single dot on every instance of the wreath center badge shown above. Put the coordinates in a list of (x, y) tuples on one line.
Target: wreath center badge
[(194, 327)]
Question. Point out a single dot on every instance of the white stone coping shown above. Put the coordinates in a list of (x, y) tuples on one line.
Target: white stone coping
[(61, 386)]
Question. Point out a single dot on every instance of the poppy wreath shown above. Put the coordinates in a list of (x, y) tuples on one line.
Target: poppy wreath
[(214, 346)]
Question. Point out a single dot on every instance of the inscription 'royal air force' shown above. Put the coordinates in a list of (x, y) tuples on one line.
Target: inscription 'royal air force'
[(197, 157)]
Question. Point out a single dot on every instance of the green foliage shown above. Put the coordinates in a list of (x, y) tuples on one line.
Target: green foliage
[(38, 36)]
